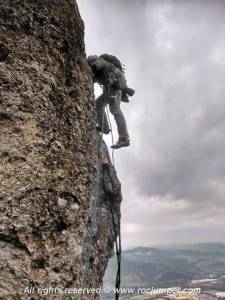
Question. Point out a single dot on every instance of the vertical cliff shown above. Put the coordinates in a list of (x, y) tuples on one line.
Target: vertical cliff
[(57, 183)]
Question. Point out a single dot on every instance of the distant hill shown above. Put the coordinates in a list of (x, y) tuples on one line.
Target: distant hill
[(204, 247), (164, 267)]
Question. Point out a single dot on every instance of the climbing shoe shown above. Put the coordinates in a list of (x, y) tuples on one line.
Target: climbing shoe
[(121, 143), (105, 131)]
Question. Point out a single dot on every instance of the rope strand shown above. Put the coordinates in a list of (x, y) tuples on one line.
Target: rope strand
[(117, 240), (112, 138), (92, 212)]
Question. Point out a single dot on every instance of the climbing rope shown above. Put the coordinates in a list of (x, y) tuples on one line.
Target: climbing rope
[(117, 239), (93, 212), (110, 124), (118, 255), (112, 138)]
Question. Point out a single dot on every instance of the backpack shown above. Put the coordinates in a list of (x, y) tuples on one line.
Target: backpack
[(113, 60), (122, 81)]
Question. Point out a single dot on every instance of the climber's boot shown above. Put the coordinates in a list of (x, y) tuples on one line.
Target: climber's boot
[(105, 131), (123, 142)]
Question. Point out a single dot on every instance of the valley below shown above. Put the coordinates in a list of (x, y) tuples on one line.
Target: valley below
[(189, 267)]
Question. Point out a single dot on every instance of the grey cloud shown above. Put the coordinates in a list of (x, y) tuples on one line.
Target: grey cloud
[(174, 55)]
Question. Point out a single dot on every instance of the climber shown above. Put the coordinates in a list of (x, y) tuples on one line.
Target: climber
[(107, 71)]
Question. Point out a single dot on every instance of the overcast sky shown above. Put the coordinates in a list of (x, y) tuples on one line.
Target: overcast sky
[(173, 174)]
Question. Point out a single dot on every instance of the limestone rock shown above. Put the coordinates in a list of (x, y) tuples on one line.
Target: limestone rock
[(50, 156)]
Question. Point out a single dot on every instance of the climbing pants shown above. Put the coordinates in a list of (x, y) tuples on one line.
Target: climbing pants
[(113, 98)]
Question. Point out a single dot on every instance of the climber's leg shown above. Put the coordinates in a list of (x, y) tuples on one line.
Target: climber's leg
[(101, 115), (114, 106)]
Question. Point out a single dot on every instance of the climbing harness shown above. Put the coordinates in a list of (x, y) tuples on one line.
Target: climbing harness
[(92, 212)]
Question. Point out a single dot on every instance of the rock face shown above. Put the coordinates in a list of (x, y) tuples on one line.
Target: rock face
[(57, 183)]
